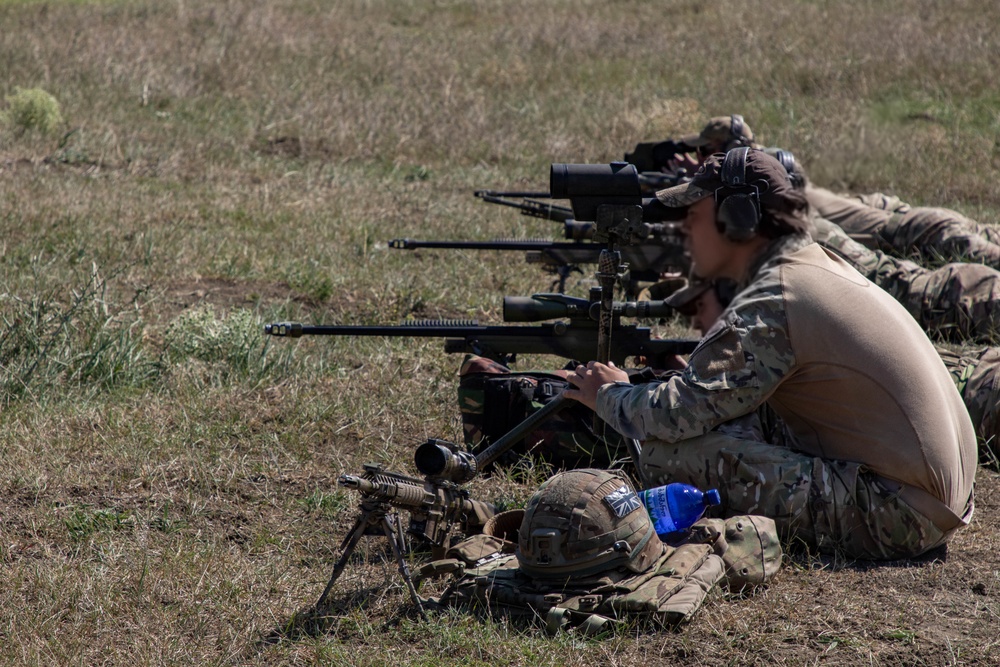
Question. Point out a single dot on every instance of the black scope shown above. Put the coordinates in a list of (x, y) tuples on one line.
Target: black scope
[(540, 307), (588, 186), (445, 460)]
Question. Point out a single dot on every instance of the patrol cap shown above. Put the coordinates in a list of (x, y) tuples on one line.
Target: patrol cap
[(762, 171), (721, 130), (684, 298)]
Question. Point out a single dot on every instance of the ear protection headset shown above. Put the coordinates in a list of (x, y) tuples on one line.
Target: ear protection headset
[(736, 129), (787, 160), (737, 202)]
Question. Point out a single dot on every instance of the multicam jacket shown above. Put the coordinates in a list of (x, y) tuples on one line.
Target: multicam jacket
[(821, 345)]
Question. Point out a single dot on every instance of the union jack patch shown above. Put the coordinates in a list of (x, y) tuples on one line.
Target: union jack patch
[(623, 501)]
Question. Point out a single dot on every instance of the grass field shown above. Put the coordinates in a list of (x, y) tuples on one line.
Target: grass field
[(168, 476)]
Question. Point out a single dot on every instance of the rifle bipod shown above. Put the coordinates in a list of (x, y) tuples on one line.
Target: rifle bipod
[(375, 515)]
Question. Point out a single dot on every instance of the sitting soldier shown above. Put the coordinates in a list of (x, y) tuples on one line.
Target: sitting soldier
[(878, 455)]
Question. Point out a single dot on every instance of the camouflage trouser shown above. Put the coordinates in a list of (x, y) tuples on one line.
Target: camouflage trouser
[(831, 506), (977, 376), (957, 302), (935, 234), (942, 235)]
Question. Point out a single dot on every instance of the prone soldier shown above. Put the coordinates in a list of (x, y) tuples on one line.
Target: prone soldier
[(930, 233)]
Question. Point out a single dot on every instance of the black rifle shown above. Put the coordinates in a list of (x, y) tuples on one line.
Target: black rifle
[(655, 156), (583, 230), (575, 338), (646, 262), (528, 203)]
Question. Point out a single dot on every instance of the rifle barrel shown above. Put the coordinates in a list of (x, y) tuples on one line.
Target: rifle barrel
[(496, 244)]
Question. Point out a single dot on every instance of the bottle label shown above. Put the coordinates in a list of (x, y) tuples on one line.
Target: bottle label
[(659, 510), (623, 501)]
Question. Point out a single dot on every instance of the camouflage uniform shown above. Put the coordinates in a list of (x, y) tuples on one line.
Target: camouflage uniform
[(935, 234), (955, 302), (977, 375), (852, 476)]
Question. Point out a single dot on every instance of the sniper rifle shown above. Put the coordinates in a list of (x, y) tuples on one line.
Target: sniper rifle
[(574, 338), (437, 502), (646, 262)]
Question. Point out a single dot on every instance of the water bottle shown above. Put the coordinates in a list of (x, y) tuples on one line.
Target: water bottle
[(676, 506)]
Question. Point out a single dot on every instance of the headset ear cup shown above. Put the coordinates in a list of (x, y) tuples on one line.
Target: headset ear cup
[(738, 215), (738, 211)]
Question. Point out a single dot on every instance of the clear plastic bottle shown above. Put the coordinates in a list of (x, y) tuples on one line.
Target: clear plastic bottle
[(676, 506)]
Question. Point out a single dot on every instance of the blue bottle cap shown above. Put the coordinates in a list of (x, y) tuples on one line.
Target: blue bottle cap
[(712, 498)]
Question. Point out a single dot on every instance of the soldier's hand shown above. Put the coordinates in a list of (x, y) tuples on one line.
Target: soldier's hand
[(588, 379), (687, 162)]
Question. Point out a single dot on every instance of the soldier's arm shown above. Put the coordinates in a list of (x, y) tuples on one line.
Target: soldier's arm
[(731, 373)]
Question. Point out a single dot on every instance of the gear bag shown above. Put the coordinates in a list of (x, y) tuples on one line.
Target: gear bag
[(493, 400)]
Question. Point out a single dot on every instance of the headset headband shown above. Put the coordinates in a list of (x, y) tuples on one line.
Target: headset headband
[(734, 167), (736, 126)]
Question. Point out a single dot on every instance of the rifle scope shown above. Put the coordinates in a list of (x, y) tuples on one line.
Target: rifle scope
[(445, 460), (551, 306), (618, 179)]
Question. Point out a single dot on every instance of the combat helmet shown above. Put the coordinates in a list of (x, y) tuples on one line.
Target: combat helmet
[(583, 522)]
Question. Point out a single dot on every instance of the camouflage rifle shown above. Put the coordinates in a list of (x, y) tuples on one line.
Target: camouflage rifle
[(646, 262), (437, 503), (575, 338)]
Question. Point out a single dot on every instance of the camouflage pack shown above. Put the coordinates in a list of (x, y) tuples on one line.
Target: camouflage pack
[(486, 579), (747, 544), (493, 400)]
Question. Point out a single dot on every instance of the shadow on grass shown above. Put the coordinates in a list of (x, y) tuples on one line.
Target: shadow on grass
[(346, 617), (803, 558)]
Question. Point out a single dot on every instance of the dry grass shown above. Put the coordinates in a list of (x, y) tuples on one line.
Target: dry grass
[(167, 480)]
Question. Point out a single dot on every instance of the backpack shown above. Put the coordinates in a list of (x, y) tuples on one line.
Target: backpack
[(493, 400)]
